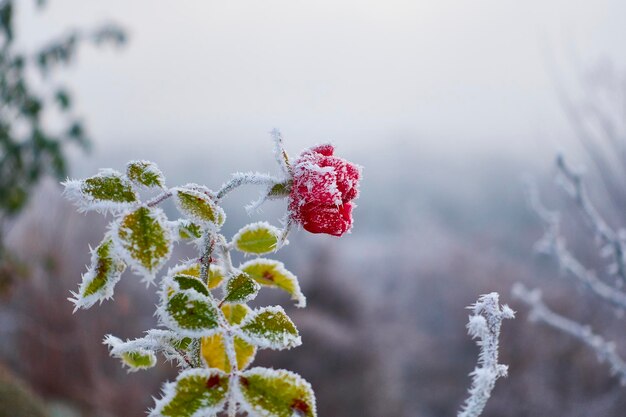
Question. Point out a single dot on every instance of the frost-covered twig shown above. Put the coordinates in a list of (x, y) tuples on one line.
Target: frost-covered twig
[(484, 325), (552, 243), (609, 238), (242, 178), (605, 350)]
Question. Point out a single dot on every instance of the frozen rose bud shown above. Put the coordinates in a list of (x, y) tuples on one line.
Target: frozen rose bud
[(323, 187)]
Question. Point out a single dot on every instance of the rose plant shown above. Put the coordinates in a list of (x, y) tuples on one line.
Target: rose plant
[(206, 326)]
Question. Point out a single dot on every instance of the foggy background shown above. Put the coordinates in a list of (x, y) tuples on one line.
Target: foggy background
[(447, 105)]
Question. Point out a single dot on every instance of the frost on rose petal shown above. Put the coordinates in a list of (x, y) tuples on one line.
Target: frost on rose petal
[(99, 281), (271, 273), (145, 174), (107, 191), (195, 393)]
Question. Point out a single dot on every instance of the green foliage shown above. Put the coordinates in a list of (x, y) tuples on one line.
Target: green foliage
[(29, 148), (145, 173), (191, 313), (201, 391), (109, 186), (271, 273), (257, 238), (145, 239), (241, 289), (199, 207), (186, 282), (270, 327), (276, 393), (139, 359), (188, 229)]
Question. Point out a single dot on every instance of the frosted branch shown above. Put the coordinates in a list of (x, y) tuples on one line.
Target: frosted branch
[(243, 178), (609, 239), (484, 325), (604, 350), (552, 243)]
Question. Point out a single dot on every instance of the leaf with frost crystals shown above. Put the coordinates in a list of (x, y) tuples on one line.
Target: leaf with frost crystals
[(144, 240), (196, 392), (99, 281), (188, 230), (241, 289), (213, 349), (108, 190), (189, 313), (134, 356), (145, 173), (269, 327), (271, 273), (198, 206), (216, 273), (276, 393), (257, 238)]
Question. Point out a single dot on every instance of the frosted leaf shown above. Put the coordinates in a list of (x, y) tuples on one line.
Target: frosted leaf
[(188, 230), (195, 393), (271, 273), (188, 312), (132, 354), (144, 240), (269, 327), (268, 392), (213, 351), (241, 289), (257, 238), (216, 272), (99, 281), (145, 173), (198, 206), (108, 190)]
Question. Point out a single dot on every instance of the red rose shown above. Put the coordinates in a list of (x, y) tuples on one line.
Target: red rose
[(323, 188)]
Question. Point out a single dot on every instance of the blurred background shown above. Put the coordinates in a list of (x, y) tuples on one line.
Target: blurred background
[(447, 104)]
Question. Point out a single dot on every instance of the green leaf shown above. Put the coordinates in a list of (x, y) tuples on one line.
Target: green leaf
[(198, 206), (145, 173), (196, 392), (108, 190), (276, 393), (216, 273), (186, 282), (188, 229), (271, 273), (257, 238), (270, 327), (189, 313), (241, 289), (134, 354), (280, 189), (139, 359), (99, 281), (144, 239)]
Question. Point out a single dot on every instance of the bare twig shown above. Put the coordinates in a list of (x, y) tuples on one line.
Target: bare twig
[(605, 350)]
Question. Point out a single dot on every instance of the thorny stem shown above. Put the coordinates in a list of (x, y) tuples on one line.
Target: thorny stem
[(604, 350)]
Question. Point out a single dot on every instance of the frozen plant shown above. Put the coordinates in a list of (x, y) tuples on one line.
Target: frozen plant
[(605, 286), (207, 327), (484, 326)]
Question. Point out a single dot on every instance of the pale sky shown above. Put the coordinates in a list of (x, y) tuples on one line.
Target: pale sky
[(448, 74)]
